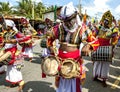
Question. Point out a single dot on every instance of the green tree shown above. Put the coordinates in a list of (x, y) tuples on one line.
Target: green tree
[(24, 8), (39, 10), (5, 8), (50, 8)]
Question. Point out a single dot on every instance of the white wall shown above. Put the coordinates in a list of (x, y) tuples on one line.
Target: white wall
[(49, 15)]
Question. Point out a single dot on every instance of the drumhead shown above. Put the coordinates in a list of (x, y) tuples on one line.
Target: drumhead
[(50, 65), (68, 68)]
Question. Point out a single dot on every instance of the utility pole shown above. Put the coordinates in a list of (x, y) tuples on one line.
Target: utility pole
[(33, 6), (33, 12), (55, 10), (80, 5)]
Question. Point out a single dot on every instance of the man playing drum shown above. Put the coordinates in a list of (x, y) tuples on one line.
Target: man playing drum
[(28, 30), (108, 37), (8, 55), (70, 34)]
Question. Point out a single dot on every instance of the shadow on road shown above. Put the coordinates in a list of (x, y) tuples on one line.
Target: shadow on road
[(38, 86), (94, 86), (2, 79)]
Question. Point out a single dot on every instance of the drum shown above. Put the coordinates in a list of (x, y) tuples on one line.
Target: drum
[(43, 43), (5, 58), (103, 53), (50, 65), (70, 68)]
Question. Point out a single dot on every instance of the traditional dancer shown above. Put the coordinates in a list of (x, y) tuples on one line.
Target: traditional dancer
[(28, 30), (107, 36), (13, 74), (70, 33)]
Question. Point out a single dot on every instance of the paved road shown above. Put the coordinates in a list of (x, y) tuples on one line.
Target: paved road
[(34, 83)]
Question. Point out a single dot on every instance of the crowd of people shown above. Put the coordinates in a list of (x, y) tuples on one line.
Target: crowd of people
[(67, 41)]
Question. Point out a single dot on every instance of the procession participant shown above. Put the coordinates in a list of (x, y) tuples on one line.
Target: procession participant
[(70, 34), (13, 74), (28, 30), (46, 40), (108, 37), (2, 66)]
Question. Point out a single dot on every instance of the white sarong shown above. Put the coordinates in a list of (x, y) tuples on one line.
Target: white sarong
[(13, 75), (67, 85), (101, 69)]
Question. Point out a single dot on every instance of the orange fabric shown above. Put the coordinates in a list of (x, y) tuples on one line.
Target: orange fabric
[(91, 38)]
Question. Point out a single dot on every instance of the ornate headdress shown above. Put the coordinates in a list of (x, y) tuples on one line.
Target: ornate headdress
[(107, 16)]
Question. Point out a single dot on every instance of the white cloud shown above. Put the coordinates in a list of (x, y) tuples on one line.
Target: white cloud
[(38, 0), (100, 6), (117, 10)]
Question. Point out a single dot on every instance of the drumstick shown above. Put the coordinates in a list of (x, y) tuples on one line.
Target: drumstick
[(5, 56), (1, 52)]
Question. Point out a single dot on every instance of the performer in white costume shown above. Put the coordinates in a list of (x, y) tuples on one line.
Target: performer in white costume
[(28, 30), (107, 36), (13, 73), (70, 35)]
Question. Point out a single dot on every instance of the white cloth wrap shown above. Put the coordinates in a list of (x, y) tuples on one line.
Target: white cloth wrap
[(13, 75), (11, 24), (9, 45), (67, 10), (101, 69), (67, 85)]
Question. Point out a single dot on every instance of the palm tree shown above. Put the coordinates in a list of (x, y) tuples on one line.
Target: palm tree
[(5, 8), (24, 8), (39, 10), (50, 8)]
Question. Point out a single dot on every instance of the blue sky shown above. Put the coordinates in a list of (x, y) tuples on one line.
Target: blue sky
[(93, 7)]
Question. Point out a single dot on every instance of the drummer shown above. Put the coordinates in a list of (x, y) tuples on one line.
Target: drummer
[(28, 30), (107, 36), (70, 33), (13, 76)]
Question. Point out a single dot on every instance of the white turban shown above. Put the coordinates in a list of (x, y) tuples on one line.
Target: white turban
[(68, 10), (11, 24)]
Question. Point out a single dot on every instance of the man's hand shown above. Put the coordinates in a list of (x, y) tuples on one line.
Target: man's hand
[(86, 50), (11, 41)]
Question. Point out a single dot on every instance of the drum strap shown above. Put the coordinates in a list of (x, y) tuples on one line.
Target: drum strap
[(80, 61), (59, 67), (80, 69)]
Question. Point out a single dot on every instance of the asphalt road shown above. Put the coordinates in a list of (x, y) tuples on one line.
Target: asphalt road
[(35, 83)]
